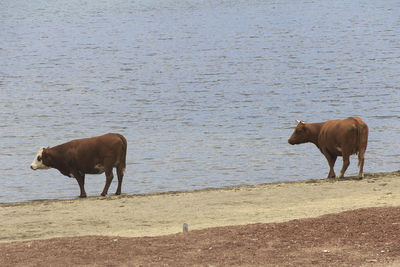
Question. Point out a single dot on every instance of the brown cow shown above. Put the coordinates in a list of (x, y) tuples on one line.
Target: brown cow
[(335, 138), (93, 155)]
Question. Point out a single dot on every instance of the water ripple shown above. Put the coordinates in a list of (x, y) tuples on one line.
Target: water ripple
[(206, 92)]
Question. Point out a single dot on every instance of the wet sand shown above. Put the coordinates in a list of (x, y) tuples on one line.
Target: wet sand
[(161, 214)]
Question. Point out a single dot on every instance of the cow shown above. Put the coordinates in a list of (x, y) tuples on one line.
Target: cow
[(93, 155), (335, 138)]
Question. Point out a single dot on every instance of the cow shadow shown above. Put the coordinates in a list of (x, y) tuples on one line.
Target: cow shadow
[(367, 176), (348, 178)]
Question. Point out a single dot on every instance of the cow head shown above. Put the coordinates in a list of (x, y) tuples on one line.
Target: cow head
[(300, 135), (41, 160)]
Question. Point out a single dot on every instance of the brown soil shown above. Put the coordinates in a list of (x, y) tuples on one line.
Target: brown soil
[(360, 237)]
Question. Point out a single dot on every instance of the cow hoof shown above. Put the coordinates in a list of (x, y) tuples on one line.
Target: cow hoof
[(340, 176), (103, 195), (82, 196)]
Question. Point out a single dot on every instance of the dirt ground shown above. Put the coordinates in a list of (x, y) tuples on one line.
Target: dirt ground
[(353, 238), (285, 224)]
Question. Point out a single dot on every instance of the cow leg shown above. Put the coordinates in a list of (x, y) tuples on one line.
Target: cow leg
[(331, 161), (346, 163), (81, 181), (120, 173), (361, 164), (109, 178)]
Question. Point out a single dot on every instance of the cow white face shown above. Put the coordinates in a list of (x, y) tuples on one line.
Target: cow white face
[(37, 163)]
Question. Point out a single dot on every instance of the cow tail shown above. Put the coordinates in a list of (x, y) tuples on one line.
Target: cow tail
[(124, 148), (362, 138)]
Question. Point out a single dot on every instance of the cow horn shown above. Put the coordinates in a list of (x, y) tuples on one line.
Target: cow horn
[(300, 121)]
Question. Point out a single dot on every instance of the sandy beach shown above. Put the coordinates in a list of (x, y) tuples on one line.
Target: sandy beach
[(162, 214)]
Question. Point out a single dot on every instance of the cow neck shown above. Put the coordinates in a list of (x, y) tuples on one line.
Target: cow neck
[(315, 129), (57, 159)]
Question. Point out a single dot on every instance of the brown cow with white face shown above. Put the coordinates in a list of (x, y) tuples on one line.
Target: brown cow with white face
[(335, 138), (93, 155)]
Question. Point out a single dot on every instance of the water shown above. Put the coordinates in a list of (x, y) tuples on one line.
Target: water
[(206, 92)]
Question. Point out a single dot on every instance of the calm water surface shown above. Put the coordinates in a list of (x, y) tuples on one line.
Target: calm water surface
[(206, 92)]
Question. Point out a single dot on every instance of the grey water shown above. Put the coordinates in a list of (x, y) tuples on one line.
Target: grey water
[(206, 92)]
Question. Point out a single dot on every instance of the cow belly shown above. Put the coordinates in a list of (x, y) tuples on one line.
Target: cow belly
[(339, 151), (97, 169)]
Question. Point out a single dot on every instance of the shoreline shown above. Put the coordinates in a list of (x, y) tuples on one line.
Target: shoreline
[(165, 212), (207, 189)]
